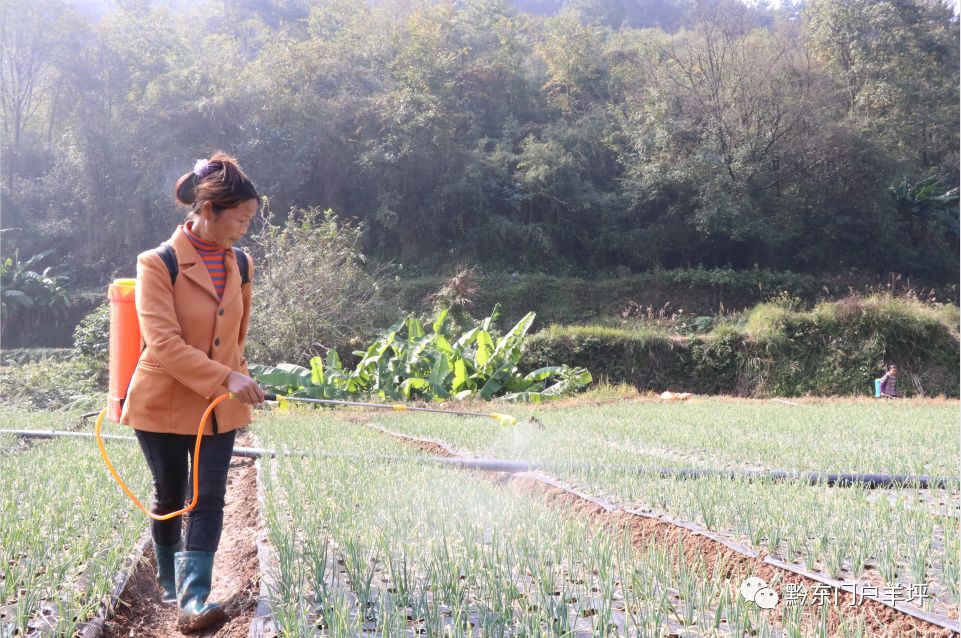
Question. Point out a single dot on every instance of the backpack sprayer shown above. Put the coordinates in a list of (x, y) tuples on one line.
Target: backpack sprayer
[(125, 351)]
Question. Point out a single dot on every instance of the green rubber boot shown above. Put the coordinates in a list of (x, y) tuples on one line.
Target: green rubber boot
[(193, 576), (165, 569)]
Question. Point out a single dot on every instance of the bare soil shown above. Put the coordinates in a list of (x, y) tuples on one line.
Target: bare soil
[(434, 448)]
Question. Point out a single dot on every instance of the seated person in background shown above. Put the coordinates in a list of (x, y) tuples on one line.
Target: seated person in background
[(889, 383)]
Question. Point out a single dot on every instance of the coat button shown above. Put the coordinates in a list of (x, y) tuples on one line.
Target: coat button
[(221, 312), (217, 341)]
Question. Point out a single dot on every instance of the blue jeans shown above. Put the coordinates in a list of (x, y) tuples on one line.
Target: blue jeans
[(167, 456)]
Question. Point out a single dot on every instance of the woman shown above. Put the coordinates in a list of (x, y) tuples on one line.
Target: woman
[(889, 383), (194, 329)]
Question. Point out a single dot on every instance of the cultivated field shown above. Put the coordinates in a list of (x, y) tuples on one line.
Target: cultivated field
[(367, 533), (903, 535), (370, 508), (66, 528)]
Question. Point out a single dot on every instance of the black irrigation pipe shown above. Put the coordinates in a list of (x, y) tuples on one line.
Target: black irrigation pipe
[(488, 465), (500, 465), (871, 481)]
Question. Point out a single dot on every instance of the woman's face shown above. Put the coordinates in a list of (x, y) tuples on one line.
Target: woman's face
[(230, 225)]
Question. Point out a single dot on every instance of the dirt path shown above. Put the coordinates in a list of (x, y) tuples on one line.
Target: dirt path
[(139, 613)]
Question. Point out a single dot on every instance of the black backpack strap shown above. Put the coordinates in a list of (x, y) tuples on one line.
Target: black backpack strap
[(167, 253), (169, 257), (243, 265)]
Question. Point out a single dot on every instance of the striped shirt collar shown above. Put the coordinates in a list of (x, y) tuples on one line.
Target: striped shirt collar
[(203, 246)]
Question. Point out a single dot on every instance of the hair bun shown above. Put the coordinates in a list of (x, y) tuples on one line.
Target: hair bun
[(186, 189), (228, 188)]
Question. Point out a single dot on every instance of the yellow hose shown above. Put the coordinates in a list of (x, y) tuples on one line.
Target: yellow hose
[(196, 463)]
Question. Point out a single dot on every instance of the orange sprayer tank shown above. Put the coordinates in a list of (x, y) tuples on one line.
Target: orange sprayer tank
[(124, 343)]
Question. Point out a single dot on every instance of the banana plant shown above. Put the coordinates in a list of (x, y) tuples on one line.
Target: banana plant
[(28, 297), (408, 361)]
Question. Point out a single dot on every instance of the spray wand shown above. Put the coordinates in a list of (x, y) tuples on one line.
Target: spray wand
[(125, 353), (503, 419)]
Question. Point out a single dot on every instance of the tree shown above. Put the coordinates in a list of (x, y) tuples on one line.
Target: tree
[(727, 108), (29, 36), (887, 58)]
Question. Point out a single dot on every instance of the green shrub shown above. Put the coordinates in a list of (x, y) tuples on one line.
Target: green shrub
[(312, 290), (31, 299), (91, 337), (643, 358), (91, 343), (51, 384), (716, 359), (837, 348), (701, 324), (19, 356), (840, 347)]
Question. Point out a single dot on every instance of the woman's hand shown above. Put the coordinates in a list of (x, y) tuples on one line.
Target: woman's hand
[(245, 388)]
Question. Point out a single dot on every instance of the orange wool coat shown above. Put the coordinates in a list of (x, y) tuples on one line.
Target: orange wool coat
[(193, 341)]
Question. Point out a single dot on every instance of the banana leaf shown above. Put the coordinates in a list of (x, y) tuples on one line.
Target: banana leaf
[(442, 345), (496, 380), (439, 326), (414, 329), (509, 346), (317, 371), (542, 373), (413, 382), (485, 348), (438, 376), (466, 339), (523, 397), (427, 365), (460, 375), (284, 375)]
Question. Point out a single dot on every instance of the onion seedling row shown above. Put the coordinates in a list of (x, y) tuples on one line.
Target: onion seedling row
[(375, 548), (835, 436), (904, 536), (65, 532)]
